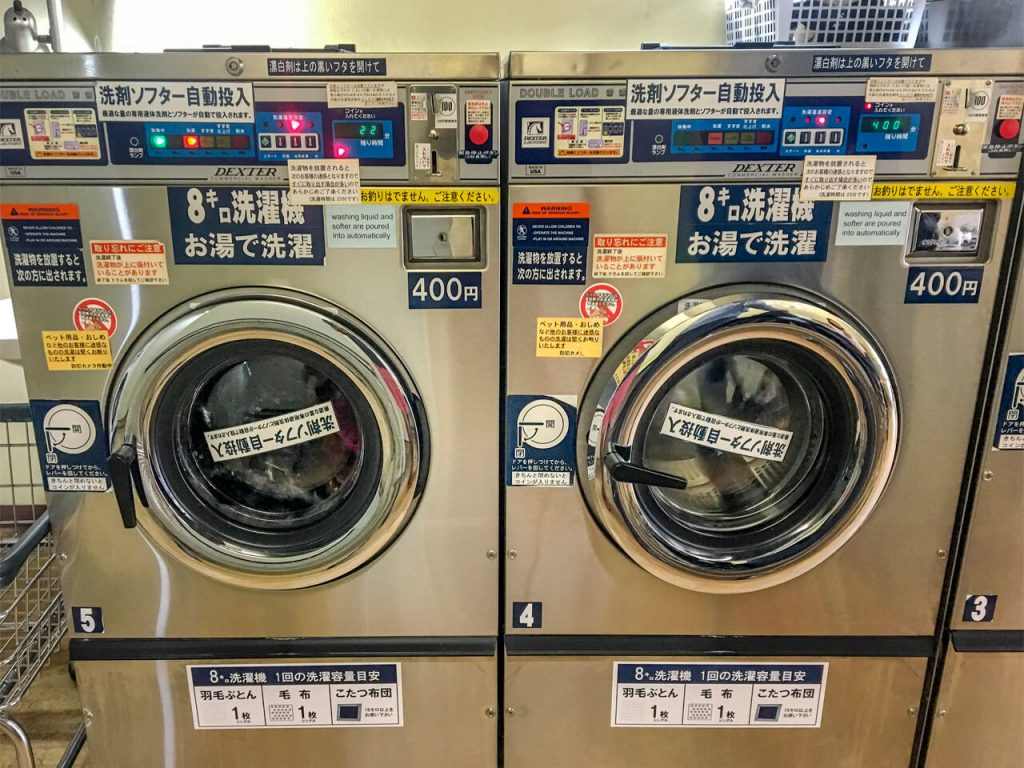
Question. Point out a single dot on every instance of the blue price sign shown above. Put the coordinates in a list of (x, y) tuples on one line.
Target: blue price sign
[(445, 290), (943, 285)]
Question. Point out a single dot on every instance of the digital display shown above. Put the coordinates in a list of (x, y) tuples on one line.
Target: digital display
[(884, 124), (358, 130)]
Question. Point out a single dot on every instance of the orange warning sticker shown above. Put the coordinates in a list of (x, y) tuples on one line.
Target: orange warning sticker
[(77, 350), (22, 211), (551, 210)]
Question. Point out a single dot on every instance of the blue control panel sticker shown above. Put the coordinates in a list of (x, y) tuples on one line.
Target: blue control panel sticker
[(445, 290), (87, 620), (192, 141), (527, 615), (549, 243), (72, 444), (323, 66), (289, 135), (724, 137), (943, 285), (244, 225), (295, 695), (540, 440), (894, 62), (740, 223), (980, 608), (1010, 421), (713, 694), (44, 244), (814, 130)]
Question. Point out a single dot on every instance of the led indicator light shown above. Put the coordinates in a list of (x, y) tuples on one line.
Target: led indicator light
[(868, 105), (191, 141), (295, 124), (158, 141), (340, 151), (822, 119)]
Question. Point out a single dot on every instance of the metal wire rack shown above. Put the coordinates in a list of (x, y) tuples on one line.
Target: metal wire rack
[(32, 618), (842, 23)]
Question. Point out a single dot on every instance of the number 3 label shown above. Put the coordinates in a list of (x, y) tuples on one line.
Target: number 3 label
[(87, 621), (527, 615), (980, 608)]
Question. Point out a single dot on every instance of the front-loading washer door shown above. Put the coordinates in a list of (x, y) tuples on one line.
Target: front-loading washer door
[(734, 442), (277, 444)]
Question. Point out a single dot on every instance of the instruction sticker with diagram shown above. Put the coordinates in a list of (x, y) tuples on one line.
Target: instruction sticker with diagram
[(712, 695), (295, 695)]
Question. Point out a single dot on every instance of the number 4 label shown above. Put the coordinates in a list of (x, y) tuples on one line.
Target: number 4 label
[(978, 608), (87, 621), (527, 615)]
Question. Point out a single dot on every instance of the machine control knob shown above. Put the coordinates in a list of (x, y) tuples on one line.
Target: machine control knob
[(479, 134), (1009, 129)]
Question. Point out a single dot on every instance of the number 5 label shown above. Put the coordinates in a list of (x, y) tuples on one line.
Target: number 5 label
[(979, 608), (87, 621), (527, 615)]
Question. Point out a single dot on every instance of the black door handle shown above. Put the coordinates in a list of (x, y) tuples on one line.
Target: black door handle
[(126, 479), (621, 470)]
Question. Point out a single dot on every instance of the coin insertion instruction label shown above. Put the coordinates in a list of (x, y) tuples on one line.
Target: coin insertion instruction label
[(77, 350), (272, 434), (834, 177), (128, 262), (590, 131), (630, 256), (324, 181), (725, 434), (713, 695), (901, 90), (569, 337), (362, 93), (295, 695)]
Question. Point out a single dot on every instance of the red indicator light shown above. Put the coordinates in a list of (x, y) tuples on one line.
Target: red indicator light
[(822, 119), (807, 119), (309, 124), (191, 141), (340, 151), (280, 124), (868, 105), (295, 124)]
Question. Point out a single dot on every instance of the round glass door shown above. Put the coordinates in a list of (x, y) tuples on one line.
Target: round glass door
[(276, 443), (750, 439)]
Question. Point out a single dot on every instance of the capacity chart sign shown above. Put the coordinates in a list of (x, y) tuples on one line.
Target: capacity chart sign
[(295, 695), (711, 695), (248, 225), (738, 223)]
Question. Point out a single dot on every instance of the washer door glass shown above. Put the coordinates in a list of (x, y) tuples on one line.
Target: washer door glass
[(749, 440), (265, 445)]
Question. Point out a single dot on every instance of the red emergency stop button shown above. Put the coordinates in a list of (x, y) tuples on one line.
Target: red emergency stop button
[(1008, 129), (479, 134)]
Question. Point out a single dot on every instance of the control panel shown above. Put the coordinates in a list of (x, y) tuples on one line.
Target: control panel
[(815, 130), (289, 134), (187, 141)]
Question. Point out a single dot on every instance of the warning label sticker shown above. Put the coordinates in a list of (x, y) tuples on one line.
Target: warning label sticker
[(272, 434), (569, 337), (601, 301), (724, 434), (630, 256), (295, 695), (549, 243), (432, 196), (72, 445), (713, 695), (540, 440), (77, 350), (320, 182), (63, 134), (44, 243), (128, 262), (94, 315), (362, 93), (944, 190), (831, 177), (590, 131)]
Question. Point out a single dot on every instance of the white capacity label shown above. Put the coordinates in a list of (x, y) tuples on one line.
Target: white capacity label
[(362, 93), (705, 98), (838, 177), (629, 256), (712, 695), (272, 434), (295, 695), (173, 101), (724, 434), (901, 90), (321, 182)]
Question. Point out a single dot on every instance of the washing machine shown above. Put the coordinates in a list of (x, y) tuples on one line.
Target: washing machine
[(257, 297), (980, 698), (749, 293)]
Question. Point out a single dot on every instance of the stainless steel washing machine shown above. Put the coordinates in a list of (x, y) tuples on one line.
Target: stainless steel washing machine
[(979, 703), (749, 294), (257, 297)]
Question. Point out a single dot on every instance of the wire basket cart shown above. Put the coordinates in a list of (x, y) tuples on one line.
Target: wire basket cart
[(838, 23), (32, 618)]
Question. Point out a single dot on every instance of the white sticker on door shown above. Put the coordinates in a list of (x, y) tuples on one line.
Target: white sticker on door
[(724, 434), (272, 434), (295, 695), (717, 695)]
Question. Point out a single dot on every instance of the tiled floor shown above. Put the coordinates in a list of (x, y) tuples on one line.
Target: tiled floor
[(50, 713)]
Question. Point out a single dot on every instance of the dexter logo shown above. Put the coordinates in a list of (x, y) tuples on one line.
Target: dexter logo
[(768, 168), (244, 171)]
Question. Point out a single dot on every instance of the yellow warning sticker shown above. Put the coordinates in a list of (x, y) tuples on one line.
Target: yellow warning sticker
[(77, 350), (569, 336), (430, 196), (943, 190)]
